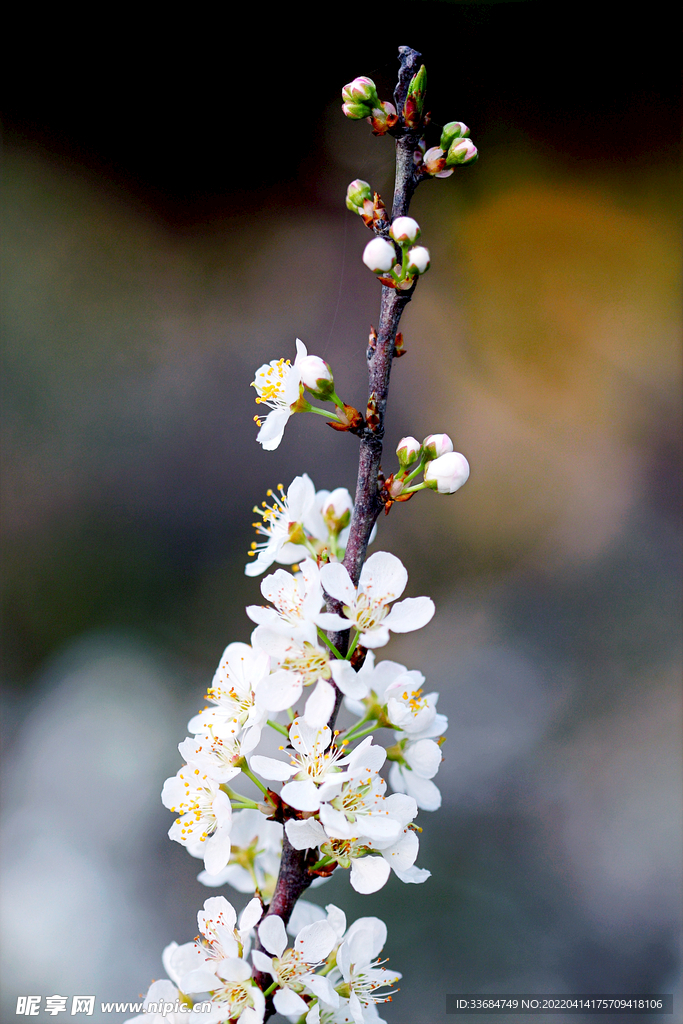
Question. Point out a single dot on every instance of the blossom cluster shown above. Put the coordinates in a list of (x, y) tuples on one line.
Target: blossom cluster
[(328, 974), (347, 800), (318, 796)]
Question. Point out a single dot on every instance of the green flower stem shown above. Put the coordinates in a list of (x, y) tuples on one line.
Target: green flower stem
[(278, 728), (354, 644), (412, 490), (257, 782), (324, 412), (271, 988), (324, 638), (321, 863), (415, 472), (353, 736), (238, 798)]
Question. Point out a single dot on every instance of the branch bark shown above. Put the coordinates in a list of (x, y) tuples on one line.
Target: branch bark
[(294, 876)]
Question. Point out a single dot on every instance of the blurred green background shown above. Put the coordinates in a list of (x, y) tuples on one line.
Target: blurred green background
[(173, 217)]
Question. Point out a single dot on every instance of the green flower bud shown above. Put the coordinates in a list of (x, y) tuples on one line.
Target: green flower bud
[(356, 111), (361, 90), (453, 130), (357, 193)]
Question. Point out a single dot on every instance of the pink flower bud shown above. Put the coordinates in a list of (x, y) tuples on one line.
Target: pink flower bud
[(379, 255), (361, 90), (448, 473), (408, 451), (418, 259), (462, 151), (436, 445), (404, 229)]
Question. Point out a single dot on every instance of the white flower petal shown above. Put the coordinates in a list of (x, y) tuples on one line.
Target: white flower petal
[(350, 682), (413, 613), (270, 434), (272, 934), (368, 874), (316, 941), (337, 582), (383, 576), (271, 768), (305, 835), (288, 1003), (304, 913), (302, 795), (424, 757), (320, 705)]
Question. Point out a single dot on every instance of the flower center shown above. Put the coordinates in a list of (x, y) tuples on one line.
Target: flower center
[(271, 384), (312, 664), (369, 613)]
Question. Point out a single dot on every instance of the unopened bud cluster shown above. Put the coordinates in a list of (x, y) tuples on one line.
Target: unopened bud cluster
[(455, 147), (444, 470), (361, 100), (380, 255)]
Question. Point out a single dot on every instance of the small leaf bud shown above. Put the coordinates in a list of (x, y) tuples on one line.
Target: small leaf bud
[(337, 510), (316, 376), (415, 99), (379, 255), (405, 230), (436, 445), (358, 193), (462, 151), (408, 451), (356, 111), (447, 473), (361, 90), (453, 130), (418, 259)]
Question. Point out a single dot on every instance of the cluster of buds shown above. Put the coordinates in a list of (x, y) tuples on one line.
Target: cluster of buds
[(444, 470), (380, 255), (367, 204), (455, 147), (361, 100)]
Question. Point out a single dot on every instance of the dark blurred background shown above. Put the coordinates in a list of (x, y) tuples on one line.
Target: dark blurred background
[(173, 217)]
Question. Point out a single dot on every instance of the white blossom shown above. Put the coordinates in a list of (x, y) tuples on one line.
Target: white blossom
[(278, 385), (382, 580), (282, 526), (205, 814), (357, 959), (292, 968), (234, 694), (300, 663), (314, 766), (297, 601), (158, 995), (234, 994), (414, 773)]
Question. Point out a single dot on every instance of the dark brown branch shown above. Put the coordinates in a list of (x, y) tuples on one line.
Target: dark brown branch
[(294, 876)]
